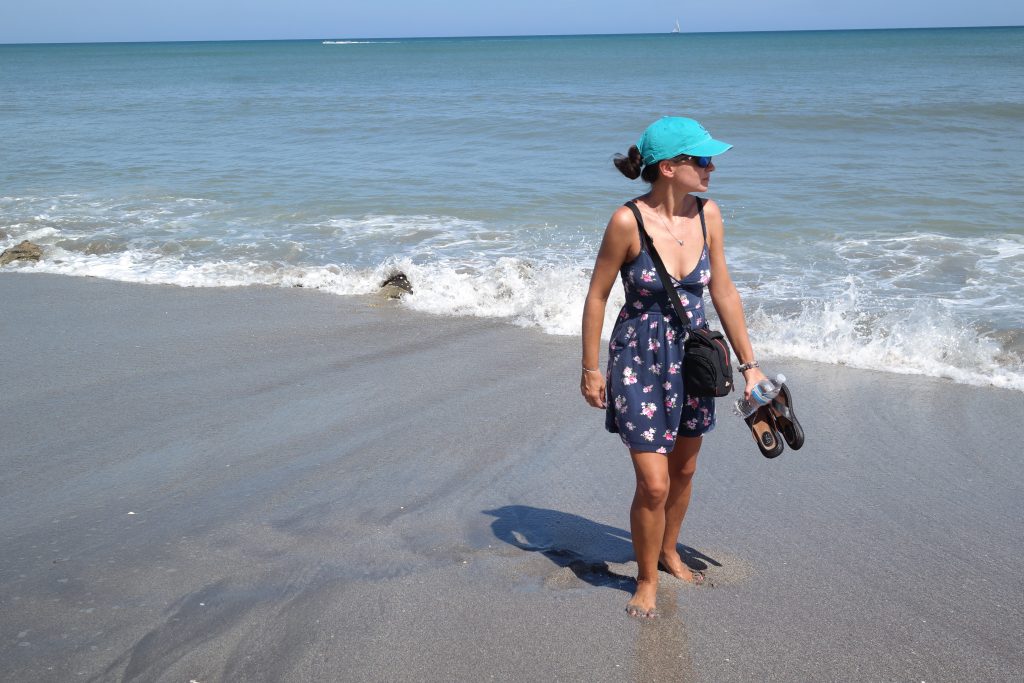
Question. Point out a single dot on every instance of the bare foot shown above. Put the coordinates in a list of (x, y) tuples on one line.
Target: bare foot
[(642, 604), (674, 565)]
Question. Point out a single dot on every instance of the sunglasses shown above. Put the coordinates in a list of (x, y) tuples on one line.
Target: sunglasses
[(702, 162)]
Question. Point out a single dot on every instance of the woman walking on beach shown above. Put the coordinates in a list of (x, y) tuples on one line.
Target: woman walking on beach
[(643, 391)]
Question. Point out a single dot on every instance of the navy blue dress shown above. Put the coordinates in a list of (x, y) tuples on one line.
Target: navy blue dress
[(647, 402)]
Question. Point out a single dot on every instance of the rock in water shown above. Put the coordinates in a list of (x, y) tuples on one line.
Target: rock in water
[(396, 286), (24, 251)]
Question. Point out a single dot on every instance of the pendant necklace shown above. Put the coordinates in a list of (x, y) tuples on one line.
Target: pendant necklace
[(668, 229)]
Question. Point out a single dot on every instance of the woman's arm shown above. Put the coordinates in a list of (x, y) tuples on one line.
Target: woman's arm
[(620, 238), (726, 298)]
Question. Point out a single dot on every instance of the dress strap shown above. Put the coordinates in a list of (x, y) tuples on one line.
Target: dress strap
[(639, 223), (703, 226), (640, 220)]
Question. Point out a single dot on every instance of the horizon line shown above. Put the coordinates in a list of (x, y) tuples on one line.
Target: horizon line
[(507, 36)]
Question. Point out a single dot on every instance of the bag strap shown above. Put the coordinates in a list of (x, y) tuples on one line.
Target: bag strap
[(666, 280)]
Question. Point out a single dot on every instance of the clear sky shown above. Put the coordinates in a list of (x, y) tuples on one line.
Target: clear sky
[(33, 21)]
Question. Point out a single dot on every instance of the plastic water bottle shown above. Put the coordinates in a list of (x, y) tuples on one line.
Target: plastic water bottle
[(762, 393)]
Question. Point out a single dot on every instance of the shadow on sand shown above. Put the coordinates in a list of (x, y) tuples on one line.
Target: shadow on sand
[(584, 546)]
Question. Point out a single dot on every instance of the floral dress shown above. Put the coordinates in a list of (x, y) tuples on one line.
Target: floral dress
[(647, 402)]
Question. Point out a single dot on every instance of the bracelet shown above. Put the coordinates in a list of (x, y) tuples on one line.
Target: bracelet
[(748, 366), (586, 369)]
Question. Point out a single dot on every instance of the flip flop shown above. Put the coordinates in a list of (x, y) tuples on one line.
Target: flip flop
[(785, 418), (762, 427)]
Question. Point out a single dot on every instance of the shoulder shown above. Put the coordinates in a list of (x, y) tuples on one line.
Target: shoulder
[(622, 224), (711, 211), (621, 238), (623, 218), (713, 217)]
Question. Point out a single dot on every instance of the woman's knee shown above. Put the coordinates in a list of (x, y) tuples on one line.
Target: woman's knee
[(652, 478), (686, 468), (683, 459), (653, 491)]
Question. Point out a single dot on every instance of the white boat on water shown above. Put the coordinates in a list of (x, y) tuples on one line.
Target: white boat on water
[(676, 29), (357, 42)]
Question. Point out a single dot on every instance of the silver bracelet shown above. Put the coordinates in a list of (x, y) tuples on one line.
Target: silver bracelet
[(586, 369), (748, 366)]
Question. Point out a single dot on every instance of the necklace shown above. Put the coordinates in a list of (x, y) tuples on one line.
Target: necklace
[(668, 229)]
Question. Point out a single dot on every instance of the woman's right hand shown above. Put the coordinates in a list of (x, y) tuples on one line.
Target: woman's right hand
[(619, 238), (592, 388)]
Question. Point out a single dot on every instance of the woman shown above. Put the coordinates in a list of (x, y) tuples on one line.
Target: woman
[(645, 398)]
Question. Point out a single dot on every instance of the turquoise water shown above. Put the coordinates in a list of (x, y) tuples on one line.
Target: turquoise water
[(872, 199)]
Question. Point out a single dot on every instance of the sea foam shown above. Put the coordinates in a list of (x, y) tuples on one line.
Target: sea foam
[(925, 339)]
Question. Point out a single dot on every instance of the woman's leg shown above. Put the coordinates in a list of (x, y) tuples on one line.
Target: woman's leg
[(647, 525), (682, 463)]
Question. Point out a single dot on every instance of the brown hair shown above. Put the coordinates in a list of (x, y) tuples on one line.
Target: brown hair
[(632, 166)]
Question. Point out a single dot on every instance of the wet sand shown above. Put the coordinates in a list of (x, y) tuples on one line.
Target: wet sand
[(283, 485)]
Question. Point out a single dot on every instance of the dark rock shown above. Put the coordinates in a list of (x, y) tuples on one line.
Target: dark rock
[(24, 251), (396, 286)]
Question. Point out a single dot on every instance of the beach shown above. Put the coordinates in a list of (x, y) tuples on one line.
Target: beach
[(274, 484)]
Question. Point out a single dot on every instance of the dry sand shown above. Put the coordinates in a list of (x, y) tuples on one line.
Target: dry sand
[(282, 485)]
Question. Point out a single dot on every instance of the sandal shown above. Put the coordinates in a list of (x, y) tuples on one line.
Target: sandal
[(762, 427), (785, 418)]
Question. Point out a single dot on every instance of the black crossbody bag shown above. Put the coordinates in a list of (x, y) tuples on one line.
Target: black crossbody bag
[(707, 366)]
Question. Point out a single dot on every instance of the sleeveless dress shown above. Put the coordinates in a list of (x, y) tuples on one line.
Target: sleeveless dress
[(647, 402)]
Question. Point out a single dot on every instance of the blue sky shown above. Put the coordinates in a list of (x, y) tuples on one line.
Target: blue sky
[(33, 21)]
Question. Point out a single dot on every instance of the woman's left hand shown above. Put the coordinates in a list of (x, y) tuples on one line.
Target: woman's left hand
[(752, 377)]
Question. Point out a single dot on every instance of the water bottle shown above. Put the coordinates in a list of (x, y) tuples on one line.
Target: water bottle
[(762, 393)]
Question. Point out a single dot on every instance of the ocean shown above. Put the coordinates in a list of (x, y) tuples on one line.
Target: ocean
[(872, 200)]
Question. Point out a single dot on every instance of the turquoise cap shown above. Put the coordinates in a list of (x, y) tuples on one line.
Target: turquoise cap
[(671, 136)]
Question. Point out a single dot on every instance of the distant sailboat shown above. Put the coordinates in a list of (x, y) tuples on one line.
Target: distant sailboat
[(676, 29)]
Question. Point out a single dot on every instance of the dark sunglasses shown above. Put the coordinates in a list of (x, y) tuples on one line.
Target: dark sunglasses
[(702, 162)]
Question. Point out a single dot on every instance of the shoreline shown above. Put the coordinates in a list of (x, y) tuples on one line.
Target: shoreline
[(506, 297), (268, 483)]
